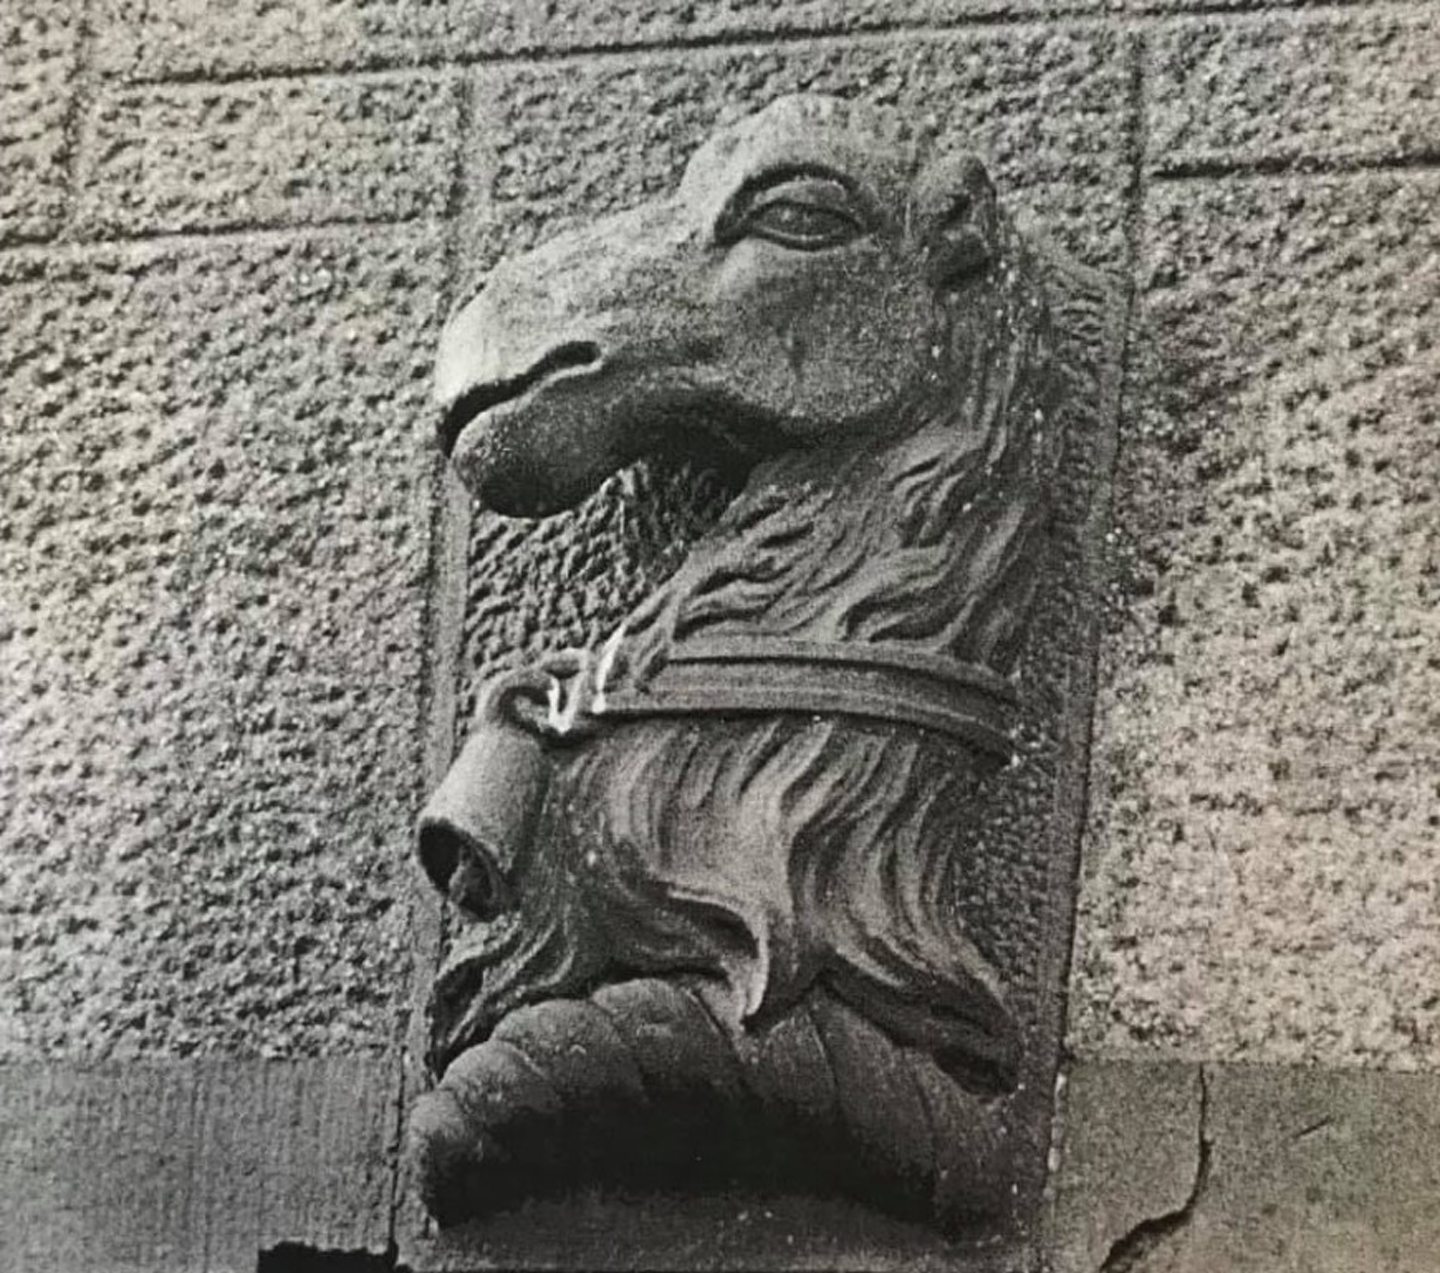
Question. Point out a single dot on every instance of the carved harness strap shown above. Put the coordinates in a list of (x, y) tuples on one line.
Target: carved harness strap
[(724, 676)]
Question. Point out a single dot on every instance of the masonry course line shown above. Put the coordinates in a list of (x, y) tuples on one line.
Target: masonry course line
[(1314, 167), (232, 235), (1319, 165), (74, 126), (742, 40)]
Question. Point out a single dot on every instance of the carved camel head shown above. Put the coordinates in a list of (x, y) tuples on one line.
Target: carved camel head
[(731, 887), (782, 297)]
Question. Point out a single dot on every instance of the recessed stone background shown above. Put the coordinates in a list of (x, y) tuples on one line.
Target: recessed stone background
[(555, 141)]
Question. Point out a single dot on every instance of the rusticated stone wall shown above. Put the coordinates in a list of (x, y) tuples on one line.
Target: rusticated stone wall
[(240, 607)]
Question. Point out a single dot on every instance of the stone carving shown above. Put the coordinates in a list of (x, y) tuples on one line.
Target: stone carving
[(709, 868)]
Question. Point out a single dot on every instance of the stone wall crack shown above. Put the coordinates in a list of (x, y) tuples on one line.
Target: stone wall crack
[(1130, 1252)]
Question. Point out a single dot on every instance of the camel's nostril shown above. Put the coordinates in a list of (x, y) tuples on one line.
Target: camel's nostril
[(463, 870)]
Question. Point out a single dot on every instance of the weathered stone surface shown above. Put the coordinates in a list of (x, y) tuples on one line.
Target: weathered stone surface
[(211, 587), (1261, 870), (157, 39), (193, 1167), (1282, 90), (519, 571), (1298, 1171), (1047, 110), (1127, 1153), (38, 44), (518, 25), (598, 1230), (267, 153)]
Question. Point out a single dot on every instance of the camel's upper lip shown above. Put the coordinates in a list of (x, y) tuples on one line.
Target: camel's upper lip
[(474, 402)]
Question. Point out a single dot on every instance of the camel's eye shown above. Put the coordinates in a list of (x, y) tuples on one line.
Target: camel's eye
[(806, 213), (801, 225)]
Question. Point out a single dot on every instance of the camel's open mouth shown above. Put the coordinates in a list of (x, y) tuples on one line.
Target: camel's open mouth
[(573, 355)]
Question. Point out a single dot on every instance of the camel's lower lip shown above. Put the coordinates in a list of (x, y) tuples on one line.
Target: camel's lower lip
[(469, 437), (488, 400)]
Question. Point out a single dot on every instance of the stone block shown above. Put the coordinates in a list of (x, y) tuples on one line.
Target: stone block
[(139, 40), (556, 141), (194, 1167), (38, 44), (212, 578), (1260, 878), (1127, 1153), (273, 152), (512, 26), (1280, 90), (1284, 1170)]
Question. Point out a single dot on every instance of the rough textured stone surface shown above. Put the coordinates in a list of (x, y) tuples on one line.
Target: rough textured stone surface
[(1046, 109), (193, 1167), (1261, 869), (212, 568), (1277, 90), (1127, 1152), (38, 44), (1239, 9), (193, 39), (273, 152), (519, 25), (1290, 1171)]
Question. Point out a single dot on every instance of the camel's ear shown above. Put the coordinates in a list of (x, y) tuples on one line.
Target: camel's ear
[(957, 219)]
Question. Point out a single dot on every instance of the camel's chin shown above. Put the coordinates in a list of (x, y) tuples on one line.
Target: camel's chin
[(504, 460)]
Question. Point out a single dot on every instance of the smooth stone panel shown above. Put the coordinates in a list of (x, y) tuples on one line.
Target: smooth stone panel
[(193, 1167), (1285, 1170)]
